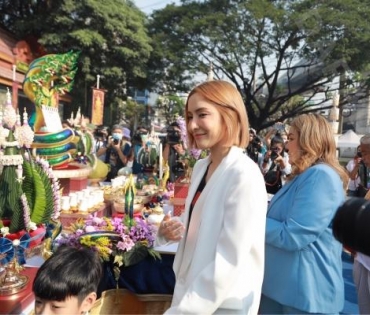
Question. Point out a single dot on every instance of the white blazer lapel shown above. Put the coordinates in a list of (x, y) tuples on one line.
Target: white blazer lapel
[(200, 206)]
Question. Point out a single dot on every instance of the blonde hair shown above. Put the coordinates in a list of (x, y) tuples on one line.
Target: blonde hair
[(230, 105), (317, 145)]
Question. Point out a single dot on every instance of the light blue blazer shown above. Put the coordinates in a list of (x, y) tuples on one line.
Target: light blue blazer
[(303, 267)]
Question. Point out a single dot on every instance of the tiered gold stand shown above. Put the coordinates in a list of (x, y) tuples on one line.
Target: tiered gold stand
[(11, 281)]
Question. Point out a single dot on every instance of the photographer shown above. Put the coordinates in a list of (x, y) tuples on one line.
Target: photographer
[(173, 150), (101, 134), (138, 141), (351, 227), (277, 130), (358, 176), (117, 150), (255, 149), (275, 165)]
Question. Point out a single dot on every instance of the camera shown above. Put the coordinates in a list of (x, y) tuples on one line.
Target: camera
[(257, 144), (274, 155), (254, 148), (99, 134), (173, 135), (115, 141), (351, 224), (136, 139)]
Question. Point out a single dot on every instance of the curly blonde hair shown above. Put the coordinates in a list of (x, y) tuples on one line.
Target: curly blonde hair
[(317, 145)]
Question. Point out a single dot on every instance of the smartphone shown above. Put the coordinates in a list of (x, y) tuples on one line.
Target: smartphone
[(279, 127)]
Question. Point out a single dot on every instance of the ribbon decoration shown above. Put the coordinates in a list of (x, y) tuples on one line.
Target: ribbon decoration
[(8, 250)]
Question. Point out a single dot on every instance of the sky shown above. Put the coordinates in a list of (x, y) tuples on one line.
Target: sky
[(147, 6)]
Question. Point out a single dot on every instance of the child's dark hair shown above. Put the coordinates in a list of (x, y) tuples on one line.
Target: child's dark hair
[(68, 272)]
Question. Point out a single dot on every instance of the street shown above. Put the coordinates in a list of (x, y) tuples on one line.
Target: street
[(350, 304)]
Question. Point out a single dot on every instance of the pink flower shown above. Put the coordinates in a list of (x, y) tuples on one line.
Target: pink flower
[(126, 243), (97, 220), (89, 229)]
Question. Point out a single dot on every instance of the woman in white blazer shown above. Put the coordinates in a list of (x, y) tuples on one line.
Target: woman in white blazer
[(220, 258)]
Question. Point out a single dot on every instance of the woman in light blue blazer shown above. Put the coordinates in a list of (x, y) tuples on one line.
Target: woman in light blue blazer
[(303, 267)]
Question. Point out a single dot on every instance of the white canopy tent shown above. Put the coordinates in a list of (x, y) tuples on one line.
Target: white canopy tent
[(347, 144)]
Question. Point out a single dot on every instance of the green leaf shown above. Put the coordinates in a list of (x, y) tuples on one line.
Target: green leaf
[(27, 184), (155, 254), (49, 197), (37, 213), (10, 192), (135, 255)]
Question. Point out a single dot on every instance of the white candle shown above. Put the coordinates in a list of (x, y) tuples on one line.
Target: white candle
[(160, 161), (14, 71), (98, 81)]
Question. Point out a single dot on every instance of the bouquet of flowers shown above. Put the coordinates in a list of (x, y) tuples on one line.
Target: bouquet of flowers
[(126, 241)]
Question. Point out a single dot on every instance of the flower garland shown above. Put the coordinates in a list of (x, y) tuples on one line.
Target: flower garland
[(127, 240), (27, 214)]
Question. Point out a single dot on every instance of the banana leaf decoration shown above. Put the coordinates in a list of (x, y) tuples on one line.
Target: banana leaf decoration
[(130, 192), (38, 190)]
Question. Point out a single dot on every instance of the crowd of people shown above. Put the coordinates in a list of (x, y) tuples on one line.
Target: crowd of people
[(270, 154), (238, 252), (115, 147)]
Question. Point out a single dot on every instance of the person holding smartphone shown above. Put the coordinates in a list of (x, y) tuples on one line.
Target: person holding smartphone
[(277, 130), (173, 150), (117, 151), (357, 172), (275, 162)]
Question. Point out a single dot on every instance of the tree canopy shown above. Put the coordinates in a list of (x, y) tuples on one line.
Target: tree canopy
[(274, 51), (111, 36), (284, 56)]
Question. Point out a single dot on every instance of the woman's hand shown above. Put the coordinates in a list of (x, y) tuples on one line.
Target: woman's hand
[(279, 159), (179, 148), (171, 228)]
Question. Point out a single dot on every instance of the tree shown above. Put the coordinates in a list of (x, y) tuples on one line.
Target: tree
[(111, 36), (342, 36), (262, 46), (131, 114), (170, 106)]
